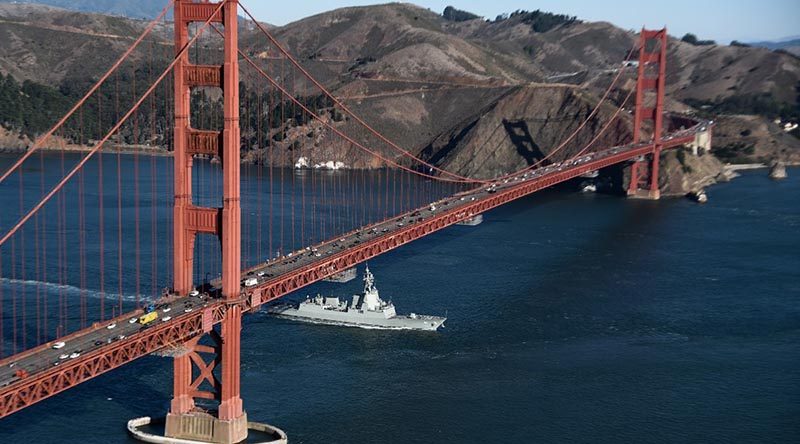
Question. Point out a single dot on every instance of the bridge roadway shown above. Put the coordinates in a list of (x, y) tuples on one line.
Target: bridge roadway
[(103, 349)]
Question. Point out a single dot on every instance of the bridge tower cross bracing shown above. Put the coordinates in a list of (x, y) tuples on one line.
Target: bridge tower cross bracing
[(649, 107), (185, 420)]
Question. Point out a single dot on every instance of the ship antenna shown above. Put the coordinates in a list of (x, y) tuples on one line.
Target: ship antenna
[(369, 280)]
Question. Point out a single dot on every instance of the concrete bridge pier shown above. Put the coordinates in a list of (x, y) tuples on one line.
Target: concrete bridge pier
[(258, 433), (645, 194), (203, 427), (643, 182)]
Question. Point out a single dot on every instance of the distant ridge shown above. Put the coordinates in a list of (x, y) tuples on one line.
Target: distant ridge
[(126, 8), (791, 44)]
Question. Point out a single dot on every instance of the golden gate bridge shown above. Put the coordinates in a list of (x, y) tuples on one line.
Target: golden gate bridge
[(318, 226)]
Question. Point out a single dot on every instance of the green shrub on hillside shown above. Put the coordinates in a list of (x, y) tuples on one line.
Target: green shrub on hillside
[(32, 109), (735, 152), (539, 21), (29, 107), (692, 40), (456, 15)]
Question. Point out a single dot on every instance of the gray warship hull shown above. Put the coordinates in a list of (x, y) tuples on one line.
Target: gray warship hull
[(367, 310), (355, 318)]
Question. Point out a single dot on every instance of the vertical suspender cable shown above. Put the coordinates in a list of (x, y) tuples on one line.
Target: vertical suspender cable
[(100, 211), (119, 197), (305, 119), (81, 234), (153, 202), (14, 286), (2, 314), (62, 246), (36, 232), (296, 123), (271, 160), (137, 256), (43, 243), (260, 170), (81, 246), (284, 135), (22, 261)]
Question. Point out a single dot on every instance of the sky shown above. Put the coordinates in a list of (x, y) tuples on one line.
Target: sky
[(720, 20)]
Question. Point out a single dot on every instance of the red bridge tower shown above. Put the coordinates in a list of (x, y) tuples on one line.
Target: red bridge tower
[(651, 82), (229, 423)]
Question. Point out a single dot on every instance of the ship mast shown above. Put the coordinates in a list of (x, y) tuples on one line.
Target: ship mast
[(372, 300)]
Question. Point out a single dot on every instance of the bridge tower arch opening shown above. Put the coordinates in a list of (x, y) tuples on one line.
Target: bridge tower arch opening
[(650, 88), (228, 423)]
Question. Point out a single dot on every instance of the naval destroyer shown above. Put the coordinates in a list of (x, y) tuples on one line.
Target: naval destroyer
[(367, 310)]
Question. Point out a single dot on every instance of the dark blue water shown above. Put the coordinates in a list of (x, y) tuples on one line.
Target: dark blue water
[(69, 260), (572, 318)]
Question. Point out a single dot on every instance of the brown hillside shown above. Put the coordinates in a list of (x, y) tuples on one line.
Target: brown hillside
[(436, 87)]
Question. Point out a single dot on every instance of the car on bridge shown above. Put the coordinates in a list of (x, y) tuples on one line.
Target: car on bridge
[(148, 318)]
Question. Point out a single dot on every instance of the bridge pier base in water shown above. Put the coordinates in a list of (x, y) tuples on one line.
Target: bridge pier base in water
[(645, 194), (258, 432), (203, 427)]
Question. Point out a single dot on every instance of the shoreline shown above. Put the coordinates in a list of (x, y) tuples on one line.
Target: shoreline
[(729, 171), (155, 152), (744, 167), (753, 166)]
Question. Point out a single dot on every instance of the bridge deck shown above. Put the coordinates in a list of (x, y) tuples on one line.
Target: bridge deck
[(103, 349)]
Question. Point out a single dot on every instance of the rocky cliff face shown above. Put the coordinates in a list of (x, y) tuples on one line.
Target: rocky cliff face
[(524, 127), (753, 139), (516, 127), (683, 173), (12, 141)]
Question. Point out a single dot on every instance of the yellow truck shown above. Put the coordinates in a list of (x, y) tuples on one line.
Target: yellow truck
[(148, 317)]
